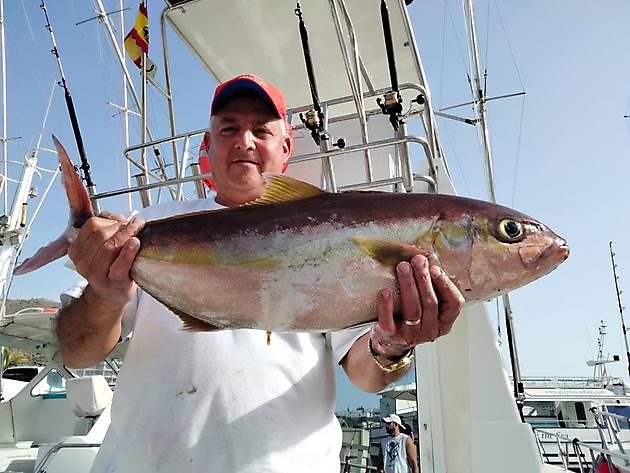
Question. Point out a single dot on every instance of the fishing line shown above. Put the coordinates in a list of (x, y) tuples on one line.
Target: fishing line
[(443, 54), (459, 46), (28, 23), (509, 45), (518, 151), (487, 32)]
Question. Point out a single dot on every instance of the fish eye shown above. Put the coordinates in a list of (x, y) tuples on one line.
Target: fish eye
[(510, 230)]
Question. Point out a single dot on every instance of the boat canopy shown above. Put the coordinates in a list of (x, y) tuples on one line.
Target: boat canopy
[(262, 38)]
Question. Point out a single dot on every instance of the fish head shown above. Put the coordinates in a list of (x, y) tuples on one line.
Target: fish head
[(488, 249), (510, 249)]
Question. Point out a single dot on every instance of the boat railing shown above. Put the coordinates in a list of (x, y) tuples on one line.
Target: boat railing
[(175, 185), (571, 451), (41, 467), (608, 426), (569, 382)]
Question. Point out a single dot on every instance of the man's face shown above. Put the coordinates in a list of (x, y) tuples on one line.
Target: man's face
[(246, 139), (390, 427)]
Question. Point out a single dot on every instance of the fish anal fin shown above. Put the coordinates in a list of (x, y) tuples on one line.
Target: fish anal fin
[(281, 188), (388, 253), (193, 324)]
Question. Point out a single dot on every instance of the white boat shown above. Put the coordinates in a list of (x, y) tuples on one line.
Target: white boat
[(468, 417)]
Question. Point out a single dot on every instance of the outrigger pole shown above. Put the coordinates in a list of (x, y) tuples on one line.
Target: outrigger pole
[(85, 166), (479, 98)]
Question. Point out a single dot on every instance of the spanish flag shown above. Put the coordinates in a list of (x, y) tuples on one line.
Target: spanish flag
[(137, 40)]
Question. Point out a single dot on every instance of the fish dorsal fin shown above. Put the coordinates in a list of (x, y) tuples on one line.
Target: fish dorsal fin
[(388, 253), (285, 189)]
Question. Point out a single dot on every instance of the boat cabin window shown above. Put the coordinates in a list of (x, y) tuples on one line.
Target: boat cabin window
[(21, 373), (52, 385), (621, 410)]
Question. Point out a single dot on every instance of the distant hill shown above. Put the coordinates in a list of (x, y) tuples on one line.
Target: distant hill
[(15, 305)]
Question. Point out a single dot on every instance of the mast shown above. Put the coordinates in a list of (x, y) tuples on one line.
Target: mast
[(624, 330), (479, 98), (4, 187), (4, 183)]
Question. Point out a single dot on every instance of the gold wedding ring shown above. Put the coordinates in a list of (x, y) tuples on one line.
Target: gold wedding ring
[(413, 323)]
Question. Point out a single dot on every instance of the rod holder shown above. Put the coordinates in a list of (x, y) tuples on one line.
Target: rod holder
[(145, 197), (200, 189)]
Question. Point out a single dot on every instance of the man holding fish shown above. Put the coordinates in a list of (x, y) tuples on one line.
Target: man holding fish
[(210, 394)]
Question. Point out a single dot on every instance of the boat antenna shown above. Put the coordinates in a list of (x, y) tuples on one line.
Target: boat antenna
[(85, 166), (391, 104), (624, 330)]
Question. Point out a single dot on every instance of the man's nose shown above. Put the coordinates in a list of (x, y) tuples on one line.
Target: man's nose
[(245, 140)]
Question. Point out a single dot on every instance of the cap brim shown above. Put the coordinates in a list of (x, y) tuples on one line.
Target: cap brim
[(237, 87)]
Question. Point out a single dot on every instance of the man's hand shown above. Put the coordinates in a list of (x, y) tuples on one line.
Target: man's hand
[(430, 303), (103, 253)]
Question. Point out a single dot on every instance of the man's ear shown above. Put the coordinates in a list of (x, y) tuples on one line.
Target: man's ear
[(206, 140), (287, 147)]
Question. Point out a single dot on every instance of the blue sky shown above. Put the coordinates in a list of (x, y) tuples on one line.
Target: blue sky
[(560, 152)]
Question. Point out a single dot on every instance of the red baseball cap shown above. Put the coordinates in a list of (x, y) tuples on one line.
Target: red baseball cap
[(243, 83), (249, 83)]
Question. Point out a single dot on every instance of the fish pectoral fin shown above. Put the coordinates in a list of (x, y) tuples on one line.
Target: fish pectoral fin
[(386, 252), (192, 324), (54, 250), (281, 188)]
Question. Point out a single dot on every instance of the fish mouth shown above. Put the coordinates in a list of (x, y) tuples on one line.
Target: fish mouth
[(541, 256)]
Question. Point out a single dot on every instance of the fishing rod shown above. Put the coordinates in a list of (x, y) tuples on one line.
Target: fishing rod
[(313, 119), (621, 307), (85, 166), (391, 104)]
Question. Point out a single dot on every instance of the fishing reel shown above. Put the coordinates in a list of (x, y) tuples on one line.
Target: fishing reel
[(312, 121), (392, 105)]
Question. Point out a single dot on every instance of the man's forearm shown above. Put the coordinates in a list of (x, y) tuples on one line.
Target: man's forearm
[(363, 371), (88, 330)]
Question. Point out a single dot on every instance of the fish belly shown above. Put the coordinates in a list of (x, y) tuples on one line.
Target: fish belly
[(322, 296)]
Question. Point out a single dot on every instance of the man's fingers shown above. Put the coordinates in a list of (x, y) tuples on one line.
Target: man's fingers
[(112, 216), (110, 249), (119, 270), (451, 298), (409, 295), (94, 233), (385, 309)]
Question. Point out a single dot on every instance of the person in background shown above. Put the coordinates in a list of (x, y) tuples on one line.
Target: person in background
[(226, 400), (398, 452)]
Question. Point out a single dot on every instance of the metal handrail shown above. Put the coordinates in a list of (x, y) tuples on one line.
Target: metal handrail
[(60, 446), (564, 443), (407, 181)]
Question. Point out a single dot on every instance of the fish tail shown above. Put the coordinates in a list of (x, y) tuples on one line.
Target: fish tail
[(78, 198), (80, 211)]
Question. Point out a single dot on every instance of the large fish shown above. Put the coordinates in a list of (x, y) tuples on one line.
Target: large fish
[(301, 259)]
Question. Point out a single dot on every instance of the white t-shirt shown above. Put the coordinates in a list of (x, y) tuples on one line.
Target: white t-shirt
[(221, 401)]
